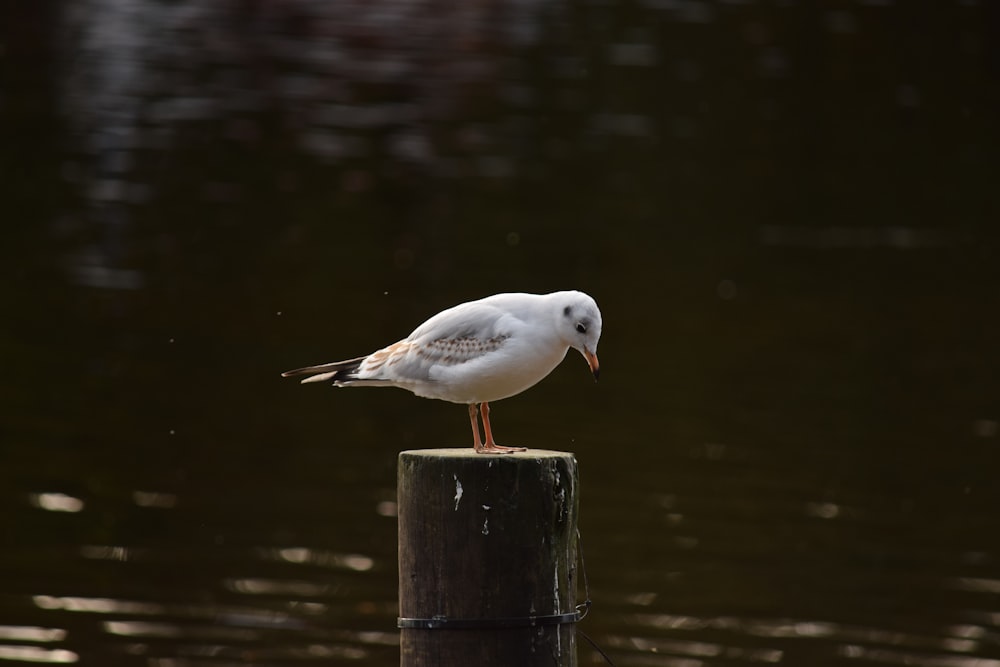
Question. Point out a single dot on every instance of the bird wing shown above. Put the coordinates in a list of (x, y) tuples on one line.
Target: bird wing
[(475, 320), (456, 336)]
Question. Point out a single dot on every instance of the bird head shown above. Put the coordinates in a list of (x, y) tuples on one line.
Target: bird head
[(580, 324)]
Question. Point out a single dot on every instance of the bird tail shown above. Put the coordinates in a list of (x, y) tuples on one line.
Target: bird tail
[(340, 372)]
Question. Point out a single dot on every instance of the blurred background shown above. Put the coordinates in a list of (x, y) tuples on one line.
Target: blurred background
[(786, 209)]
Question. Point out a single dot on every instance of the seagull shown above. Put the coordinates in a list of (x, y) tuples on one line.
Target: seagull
[(478, 352)]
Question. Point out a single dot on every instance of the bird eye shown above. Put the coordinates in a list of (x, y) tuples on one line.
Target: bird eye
[(581, 328)]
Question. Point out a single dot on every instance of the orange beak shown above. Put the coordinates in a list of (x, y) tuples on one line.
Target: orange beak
[(595, 366)]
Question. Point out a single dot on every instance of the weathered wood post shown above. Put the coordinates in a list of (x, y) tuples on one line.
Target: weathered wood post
[(487, 558)]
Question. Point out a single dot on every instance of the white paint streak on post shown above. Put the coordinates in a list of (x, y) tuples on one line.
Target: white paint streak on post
[(458, 492)]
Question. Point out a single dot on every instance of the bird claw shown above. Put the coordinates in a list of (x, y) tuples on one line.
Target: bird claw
[(499, 449)]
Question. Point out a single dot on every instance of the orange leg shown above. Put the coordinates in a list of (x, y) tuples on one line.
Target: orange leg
[(477, 444), (490, 445)]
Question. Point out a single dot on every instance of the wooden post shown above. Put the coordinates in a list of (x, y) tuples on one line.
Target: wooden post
[(487, 558)]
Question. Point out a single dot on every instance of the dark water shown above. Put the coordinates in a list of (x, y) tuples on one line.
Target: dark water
[(786, 210)]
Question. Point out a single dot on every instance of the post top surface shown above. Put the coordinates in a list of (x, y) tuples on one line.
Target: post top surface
[(470, 453)]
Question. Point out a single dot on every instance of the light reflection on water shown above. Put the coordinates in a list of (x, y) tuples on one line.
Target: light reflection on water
[(847, 641), (215, 630), (56, 502), (298, 608), (37, 654)]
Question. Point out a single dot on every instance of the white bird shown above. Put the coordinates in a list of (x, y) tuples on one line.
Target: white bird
[(478, 352)]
